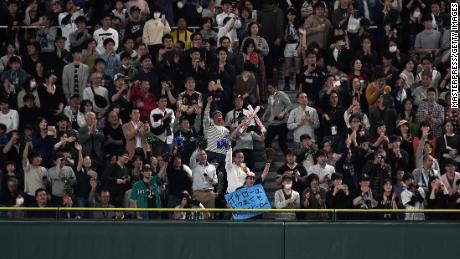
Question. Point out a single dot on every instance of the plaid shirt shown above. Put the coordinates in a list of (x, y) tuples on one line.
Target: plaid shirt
[(435, 111), (452, 115)]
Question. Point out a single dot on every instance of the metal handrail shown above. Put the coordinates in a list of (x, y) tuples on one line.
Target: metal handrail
[(232, 210)]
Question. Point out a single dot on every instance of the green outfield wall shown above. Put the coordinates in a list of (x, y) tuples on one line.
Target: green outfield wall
[(227, 240)]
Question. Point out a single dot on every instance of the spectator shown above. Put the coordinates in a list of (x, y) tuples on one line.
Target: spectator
[(425, 172), (338, 197), (314, 197), (398, 158), (293, 169), (135, 132), (62, 179), (8, 117), (16, 75), (389, 200), (35, 176), (112, 60), (41, 201), (323, 170), (75, 112), (312, 78), (75, 75), (365, 197), (162, 119), (189, 135), (303, 119), (317, 26), (207, 31), (431, 112), (190, 102), (438, 197), (135, 25), (84, 174), (92, 140), (246, 84), (376, 89), (179, 178), (116, 178), (214, 131), (427, 41), (146, 193), (78, 38), (97, 94), (47, 34), (153, 31), (236, 169), (181, 33), (114, 137), (276, 114), (188, 202), (55, 61), (287, 198), (104, 202), (450, 177), (105, 32), (377, 170), (67, 19), (204, 178)]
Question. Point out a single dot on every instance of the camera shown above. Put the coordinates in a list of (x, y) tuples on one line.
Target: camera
[(193, 202)]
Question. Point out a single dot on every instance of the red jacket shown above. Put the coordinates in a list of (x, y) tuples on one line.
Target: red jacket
[(138, 96)]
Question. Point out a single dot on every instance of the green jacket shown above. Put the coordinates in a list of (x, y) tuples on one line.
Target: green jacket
[(141, 191)]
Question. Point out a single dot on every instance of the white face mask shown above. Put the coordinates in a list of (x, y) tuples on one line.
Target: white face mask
[(287, 186), (33, 84), (416, 14), (180, 4), (199, 9), (156, 15), (393, 49)]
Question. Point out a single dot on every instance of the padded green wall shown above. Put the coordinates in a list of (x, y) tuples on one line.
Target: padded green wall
[(225, 240)]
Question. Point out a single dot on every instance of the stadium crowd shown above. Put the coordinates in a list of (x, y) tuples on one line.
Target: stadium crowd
[(159, 103)]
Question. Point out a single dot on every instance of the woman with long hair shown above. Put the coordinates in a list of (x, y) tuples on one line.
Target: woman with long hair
[(408, 114), (388, 200), (314, 197), (368, 56), (260, 42), (448, 145), (43, 140), (406, 141), (251, 55)]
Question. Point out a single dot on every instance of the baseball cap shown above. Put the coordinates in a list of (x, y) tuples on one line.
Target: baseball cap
[(119, 76)]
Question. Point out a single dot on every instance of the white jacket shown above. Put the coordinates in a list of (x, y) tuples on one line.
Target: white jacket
[(235, 176)]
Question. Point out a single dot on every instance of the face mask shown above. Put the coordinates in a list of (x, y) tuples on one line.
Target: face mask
[(287, 186), (393, 49), (156, 15), (416, 14), (199, 9), (33, 84), (180, 4)]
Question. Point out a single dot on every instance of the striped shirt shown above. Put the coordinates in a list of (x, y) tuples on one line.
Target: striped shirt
[(213, 133)]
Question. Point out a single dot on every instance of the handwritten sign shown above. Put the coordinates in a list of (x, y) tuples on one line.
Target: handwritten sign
[(248, 198)]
